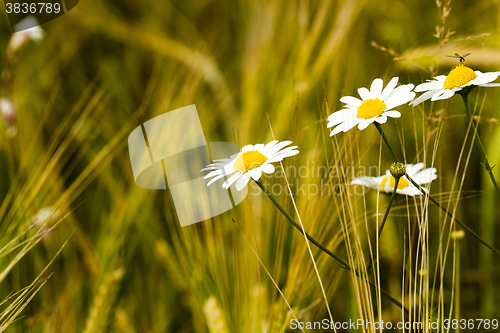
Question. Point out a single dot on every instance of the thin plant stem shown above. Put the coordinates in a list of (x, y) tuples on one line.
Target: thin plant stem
[(379, 128), (343, 263), (451, 216), (457, 237), (396, 182), (486, 164), (434, 201), (297, 226)]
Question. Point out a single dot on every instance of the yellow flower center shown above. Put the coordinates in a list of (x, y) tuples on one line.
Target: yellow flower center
[(371, 108), (403, 183), (249, 160), (459, 76)]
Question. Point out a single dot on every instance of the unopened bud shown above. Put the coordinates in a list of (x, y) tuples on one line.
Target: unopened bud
[(397, 170)]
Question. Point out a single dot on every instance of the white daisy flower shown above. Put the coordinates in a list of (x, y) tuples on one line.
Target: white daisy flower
[(386, 183), (250, 162), (445, 86), (375, 105)]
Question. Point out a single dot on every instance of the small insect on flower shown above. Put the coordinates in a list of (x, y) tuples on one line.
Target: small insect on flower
[(386, 183), (461, 58), (460, 77), (375, 105), (250, 162)]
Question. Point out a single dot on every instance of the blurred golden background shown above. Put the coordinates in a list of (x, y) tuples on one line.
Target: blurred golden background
[(120, 262)]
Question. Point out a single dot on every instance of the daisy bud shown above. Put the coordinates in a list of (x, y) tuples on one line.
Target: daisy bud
[(397, 170)]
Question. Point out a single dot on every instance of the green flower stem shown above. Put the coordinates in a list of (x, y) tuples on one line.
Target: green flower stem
[(457, 237), (434, 201), (343, 263), (451, 216), (465, 97), (299, 228), (396, 182), (377, 125)]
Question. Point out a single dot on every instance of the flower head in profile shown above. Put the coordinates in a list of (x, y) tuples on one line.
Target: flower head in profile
[(375, 105), (250, 162), (460, 77), (386, 183)]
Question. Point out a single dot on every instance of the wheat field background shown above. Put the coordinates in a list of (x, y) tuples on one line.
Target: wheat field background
[(84, 249)]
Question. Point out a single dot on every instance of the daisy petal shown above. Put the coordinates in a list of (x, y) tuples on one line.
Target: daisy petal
[(443, 94), (247, 148), (212, 173), (484, 78), (364, 124), (255, 174), (267, 168), (231, 180), (389, 88), (397, 100), (338, 117), (412, 169), (364, 93), (425, 176), (346, 125), (392, 114), (280, 156), (214, 180), (351, 100), (373, 182), (270, 145), (422, 98), (376, 88), (243, 181), (429, 85), (337, 130), (401, 90), (287, 149), (277, 148), (350, 123), (381, 119), (490, 85), (407, 191)]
